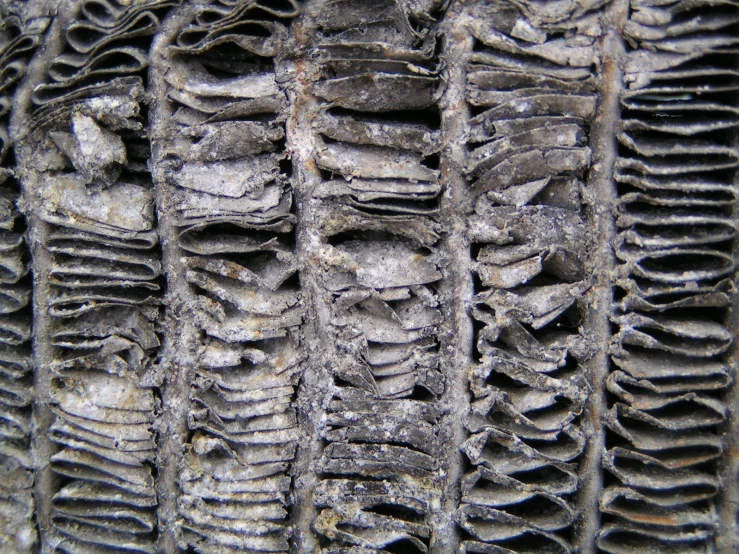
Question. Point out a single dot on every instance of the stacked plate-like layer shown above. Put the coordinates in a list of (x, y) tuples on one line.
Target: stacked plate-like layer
[(225, 162), (531, 87), (108, 40), (377, 144), (677, 198), (20, 36), (88, 175), (94, 194)]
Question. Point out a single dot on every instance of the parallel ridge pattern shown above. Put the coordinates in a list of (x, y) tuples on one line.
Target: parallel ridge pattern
[(531, 87), (676, 179), (107, 42), (377, 143), (18, 39), (233, 201), (90, 180), (377, 257)]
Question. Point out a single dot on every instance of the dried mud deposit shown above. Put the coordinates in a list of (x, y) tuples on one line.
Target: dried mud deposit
[(369, 276)]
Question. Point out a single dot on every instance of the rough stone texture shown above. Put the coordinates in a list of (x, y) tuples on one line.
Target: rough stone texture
[(357, 277)]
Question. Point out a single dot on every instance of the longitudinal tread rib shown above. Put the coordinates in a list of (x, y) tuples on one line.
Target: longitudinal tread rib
[(457, 329)]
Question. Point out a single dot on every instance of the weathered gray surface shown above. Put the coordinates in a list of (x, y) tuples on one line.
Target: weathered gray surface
[(368, 277)]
